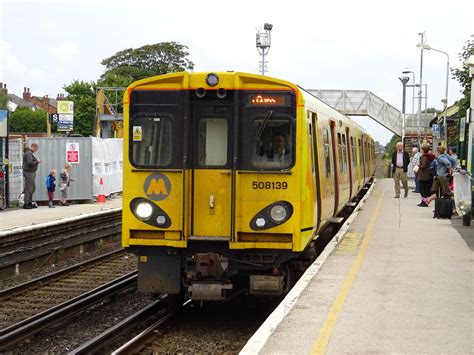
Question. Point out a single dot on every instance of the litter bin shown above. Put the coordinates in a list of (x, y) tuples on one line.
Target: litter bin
[(462, 195)]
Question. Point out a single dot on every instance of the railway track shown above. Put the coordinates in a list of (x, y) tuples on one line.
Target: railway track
[(28, 308), (20, 245)]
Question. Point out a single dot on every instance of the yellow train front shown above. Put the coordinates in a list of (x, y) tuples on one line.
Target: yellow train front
[(229, 177)]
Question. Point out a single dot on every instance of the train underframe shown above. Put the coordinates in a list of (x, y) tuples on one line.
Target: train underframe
[(210, 271)]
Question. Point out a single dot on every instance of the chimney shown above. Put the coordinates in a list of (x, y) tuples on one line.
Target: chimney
[(26, 94), (3, 88)]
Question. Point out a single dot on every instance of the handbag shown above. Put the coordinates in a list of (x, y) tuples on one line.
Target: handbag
[(416, 168)]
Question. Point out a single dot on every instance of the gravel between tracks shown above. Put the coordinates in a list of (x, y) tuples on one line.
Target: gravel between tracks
[(69, 334), (42, 271), (213, 329)]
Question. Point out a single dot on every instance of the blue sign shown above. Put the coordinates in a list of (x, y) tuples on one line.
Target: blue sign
[(436, 130)]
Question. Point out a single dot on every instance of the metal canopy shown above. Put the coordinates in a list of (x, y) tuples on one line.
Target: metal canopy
[(363, 103)]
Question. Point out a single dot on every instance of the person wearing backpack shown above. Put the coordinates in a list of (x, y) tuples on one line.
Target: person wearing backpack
[(440, 182), (51, 187), (425, 173)]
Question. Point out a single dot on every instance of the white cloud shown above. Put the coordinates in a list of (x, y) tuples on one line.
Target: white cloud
[(66, 50)]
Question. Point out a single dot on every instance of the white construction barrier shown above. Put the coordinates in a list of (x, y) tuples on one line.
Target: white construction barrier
[(107, 163)]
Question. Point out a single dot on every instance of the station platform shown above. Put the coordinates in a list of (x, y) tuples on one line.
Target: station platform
[(17, 218), (394, 281)]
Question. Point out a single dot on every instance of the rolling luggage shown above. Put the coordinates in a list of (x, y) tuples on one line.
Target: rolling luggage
[(443, 208)]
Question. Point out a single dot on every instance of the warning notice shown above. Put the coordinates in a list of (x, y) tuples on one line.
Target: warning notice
[(72, 153), (137, 133)]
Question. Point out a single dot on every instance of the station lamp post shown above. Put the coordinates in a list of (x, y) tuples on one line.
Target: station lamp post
[(413, 91), (263, 42), (424, 46), (404, 80)]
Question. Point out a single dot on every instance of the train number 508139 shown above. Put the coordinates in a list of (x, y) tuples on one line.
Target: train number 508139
[(269, 185)]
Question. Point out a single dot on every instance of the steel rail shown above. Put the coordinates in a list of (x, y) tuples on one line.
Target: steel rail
[(17, 332), (107, 337), (43, 279)]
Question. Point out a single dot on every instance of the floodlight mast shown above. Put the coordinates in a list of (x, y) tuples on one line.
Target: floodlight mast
[(264, 39)]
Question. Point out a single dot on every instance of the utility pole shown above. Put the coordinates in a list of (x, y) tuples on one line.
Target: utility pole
[(263, 42)]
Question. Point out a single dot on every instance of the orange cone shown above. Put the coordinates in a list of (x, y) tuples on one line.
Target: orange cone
[(101, 196)]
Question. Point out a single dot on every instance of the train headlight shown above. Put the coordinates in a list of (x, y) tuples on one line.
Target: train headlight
[(161, 220), (212, 79), (260, 222), (144, 210), (278, 213)]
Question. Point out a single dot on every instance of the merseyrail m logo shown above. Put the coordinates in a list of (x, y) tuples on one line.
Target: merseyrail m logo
[(157, 187)]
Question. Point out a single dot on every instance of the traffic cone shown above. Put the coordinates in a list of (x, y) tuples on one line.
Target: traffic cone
[(101, 196)]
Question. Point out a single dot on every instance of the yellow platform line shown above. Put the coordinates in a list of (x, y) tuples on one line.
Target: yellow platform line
[(322, 341)]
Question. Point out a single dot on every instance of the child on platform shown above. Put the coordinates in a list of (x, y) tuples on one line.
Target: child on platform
[(51, 187)]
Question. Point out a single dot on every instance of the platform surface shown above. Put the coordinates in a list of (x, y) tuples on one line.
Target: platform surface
[(398, 282), (16, 218)]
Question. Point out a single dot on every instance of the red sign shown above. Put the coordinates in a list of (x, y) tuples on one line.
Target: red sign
[(72, 153)]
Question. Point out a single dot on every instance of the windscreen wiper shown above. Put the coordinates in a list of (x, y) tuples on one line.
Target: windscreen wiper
[(263, 125)]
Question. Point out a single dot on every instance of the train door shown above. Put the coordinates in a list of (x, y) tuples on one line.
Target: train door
[(335, 165), (315, 168), (212, 173)]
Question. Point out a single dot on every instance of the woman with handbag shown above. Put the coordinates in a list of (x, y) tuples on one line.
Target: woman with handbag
[(65, 179), (425, 174)]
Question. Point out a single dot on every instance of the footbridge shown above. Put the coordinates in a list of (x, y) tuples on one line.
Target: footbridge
[(363, 103)]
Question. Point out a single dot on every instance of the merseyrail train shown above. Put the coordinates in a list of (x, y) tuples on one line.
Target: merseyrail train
[(229, 179)]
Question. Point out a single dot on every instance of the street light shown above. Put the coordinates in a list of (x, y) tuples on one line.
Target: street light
[(263, 42), (404, 80), (413, 86), (424, 46)]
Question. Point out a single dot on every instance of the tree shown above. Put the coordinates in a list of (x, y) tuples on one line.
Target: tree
[(463, 78), (391, 146), (83, 96), (23, 119), (3, 100), (129, 65)]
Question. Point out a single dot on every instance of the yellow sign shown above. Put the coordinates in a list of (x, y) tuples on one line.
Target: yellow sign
[(66, 107), (137, 133)]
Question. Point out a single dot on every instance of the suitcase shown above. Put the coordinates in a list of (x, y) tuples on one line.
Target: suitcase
[(443, 208)]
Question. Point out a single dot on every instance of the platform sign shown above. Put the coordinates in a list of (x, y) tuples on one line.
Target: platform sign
[(72, 153), (65, 117)]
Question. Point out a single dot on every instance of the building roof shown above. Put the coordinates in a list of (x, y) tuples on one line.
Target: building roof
[(20, 102)]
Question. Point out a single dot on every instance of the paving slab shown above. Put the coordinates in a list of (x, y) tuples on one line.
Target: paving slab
[(398, 282), (12, 219)]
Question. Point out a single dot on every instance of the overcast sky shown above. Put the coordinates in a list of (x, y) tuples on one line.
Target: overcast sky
[(317, 44)]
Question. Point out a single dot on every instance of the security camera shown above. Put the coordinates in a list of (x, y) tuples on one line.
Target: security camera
[(267, 27)]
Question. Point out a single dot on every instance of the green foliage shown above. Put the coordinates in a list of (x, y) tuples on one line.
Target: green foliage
[(23, 119), (3, 100), (391, 146), (431, 110), (83, 96), (131, 64), (463, 78)]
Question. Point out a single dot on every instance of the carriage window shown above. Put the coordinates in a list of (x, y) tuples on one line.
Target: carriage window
[(339, 145), (152, 140), (272, 144), (212, 145), (326, 152)]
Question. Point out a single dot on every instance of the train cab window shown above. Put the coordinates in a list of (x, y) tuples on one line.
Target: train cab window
[(273, 142), (326, 151), (152, 140), (212, 142)]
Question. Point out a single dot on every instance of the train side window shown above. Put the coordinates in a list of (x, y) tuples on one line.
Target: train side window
[(152, 145), (353, 149), (212, 142), (272, 146), (326, 151), (345, 157), (339, 146)]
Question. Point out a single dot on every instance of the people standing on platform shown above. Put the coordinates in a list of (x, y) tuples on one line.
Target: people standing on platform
[(453, 157), (415, 161), (51, 187), (65, 183), (400, 161), (441, 180), (30, 165), (425, 174)]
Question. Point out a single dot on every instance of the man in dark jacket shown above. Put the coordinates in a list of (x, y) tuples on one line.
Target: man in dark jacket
[(400, 161), (30, 165)]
